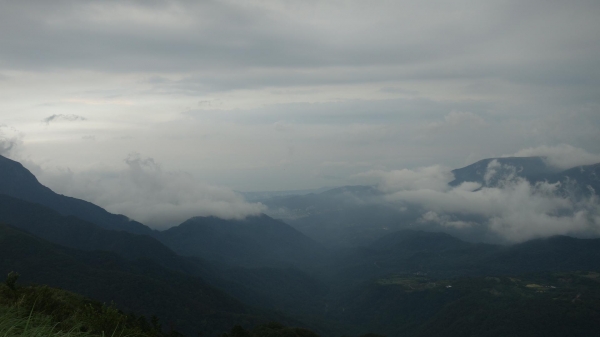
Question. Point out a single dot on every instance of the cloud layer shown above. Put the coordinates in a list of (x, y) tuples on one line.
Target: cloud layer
[(145, 192), (264, 95), (516, 210), (562, 156)]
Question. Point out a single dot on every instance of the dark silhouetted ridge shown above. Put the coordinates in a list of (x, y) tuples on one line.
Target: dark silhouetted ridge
[(18, 182), (254, 241), (140, 286), (73, 232)]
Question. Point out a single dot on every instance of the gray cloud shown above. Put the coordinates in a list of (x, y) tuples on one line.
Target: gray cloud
[(62, 117), (145, 192), (257, 94), (392, 111), (315, 42)]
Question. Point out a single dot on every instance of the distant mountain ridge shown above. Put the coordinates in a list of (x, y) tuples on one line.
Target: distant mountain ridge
[(530, 168), (533, 169), (257, 241), (585, 180), (18, 182), (352, 216), (390, 279), (252, 242), (441, 255)]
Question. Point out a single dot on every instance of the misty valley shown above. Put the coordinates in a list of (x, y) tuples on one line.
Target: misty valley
[(503, 247), (289, 168)]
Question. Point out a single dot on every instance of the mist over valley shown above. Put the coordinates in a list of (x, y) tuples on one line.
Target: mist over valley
[(299, 168)]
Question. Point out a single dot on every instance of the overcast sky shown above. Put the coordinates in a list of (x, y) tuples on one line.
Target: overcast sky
[(275, 95)]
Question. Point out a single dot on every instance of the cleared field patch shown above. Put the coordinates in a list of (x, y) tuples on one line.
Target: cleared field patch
[(411, 283)]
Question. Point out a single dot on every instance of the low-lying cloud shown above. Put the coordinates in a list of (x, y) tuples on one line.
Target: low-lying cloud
[(143, 191), (430, 178), (515, 209), (562, 156)]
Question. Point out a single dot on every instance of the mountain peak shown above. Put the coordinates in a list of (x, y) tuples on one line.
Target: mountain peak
[(254, 241), (530, 168)]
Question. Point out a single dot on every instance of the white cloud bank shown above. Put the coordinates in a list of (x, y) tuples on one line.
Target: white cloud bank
[(516, 210), (562, 156), (145, 192)]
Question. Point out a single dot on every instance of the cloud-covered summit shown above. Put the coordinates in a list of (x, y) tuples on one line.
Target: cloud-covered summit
[(144, 191), (512, 208), (563, 156)]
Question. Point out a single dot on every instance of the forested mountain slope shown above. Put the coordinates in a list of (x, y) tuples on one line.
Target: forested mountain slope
[(18, 182), (141, 286), (257, 241)]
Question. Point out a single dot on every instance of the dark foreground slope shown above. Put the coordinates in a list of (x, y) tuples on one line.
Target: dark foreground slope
[(52, 312), (286, 289), (141, 286), (18, 182)]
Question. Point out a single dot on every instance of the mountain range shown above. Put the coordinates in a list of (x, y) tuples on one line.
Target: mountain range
[(338, 267), (354, 216)]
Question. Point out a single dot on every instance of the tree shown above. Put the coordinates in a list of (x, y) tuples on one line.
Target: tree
[(11, 280)]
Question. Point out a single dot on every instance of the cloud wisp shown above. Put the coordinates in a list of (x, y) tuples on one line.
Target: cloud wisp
[(63, 117), (143, 191), (10, 138)]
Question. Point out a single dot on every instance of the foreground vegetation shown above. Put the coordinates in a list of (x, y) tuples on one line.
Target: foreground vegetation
[(42, 311), (46, 311)]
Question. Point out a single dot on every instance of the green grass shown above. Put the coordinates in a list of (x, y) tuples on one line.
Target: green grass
[(15, 322), (44, 311)]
